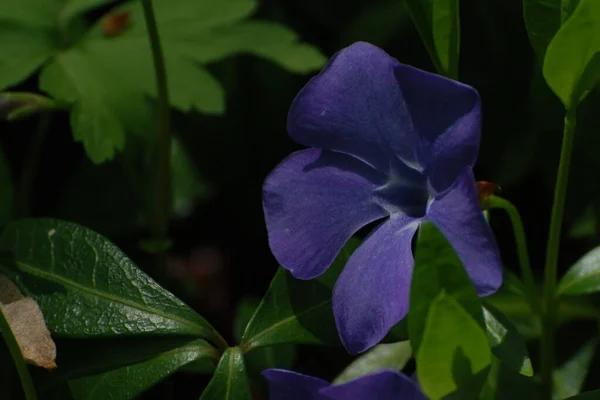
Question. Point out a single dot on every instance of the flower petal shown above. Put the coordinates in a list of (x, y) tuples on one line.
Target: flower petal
[(289, 385), (457, 213), (383, 385), (314, 201), (372, 292), (355, 106), (447, 117)]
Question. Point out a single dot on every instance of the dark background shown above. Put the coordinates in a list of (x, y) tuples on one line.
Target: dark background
[(223, 246)]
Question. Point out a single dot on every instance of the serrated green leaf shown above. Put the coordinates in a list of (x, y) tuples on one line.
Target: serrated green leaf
[(507, 345), (123, 368), (454, 357), (297, 311), (583, 277), (438, 24), (230, 381), (572, 61), (570, 377), (437, 269), (383, 356), (86, 287)]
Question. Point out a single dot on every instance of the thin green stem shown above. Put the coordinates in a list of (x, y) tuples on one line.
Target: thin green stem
[(23, 203), (521, 241), (550, 300), (17, 356), (163, 187)]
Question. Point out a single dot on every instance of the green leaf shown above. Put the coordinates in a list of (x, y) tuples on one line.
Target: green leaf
[(572, 61), (6, 190), (257, 360), (74, 8), (86, 287), (17, 105), (383, 356), (504, 383), (583, 277), (438, 24), (542, 20), (569, 378), (593, 395), (507, 345), (297, 311), (454, 357), (230, 381), (437, 269), (123, 368), (188, 186)]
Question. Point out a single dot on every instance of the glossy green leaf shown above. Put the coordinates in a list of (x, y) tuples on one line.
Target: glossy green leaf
[(86, 287), (383, 356), (583, 277), (297, 311), (455, 356), (123, 368), (276, 356), (593, 395), (438, 24), (437, 269), (230, 381), (570, 377), (507, 345), (572, 61), (6, 190)]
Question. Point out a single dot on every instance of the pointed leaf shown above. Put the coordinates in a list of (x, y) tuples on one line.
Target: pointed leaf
[(87, 287), (507, 345), (230, 381), (570, 377), (437, 269), (583, 277), (438, 24), (122, 368), (297, 311), (383, 356), (542, 20), (572, 61)]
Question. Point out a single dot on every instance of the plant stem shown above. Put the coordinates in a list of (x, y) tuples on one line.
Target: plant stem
[(163, 187), (521, 241), (17, 356), (23, 203), (551, 268)]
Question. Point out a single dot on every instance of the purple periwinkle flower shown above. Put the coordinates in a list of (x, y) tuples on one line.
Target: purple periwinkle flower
[(388, 142), (382, 385)]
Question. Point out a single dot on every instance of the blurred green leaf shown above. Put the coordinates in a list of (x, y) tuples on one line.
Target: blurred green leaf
[(230, 381), (6, 190), (437, 269), (438, 24), (572, 61), (383, 356), (123, 368), (454, 357), (542, 20), (507, 345), (17, 105), (569, 378), (593, 395), (583, 277), (61, 264), (188, 186), (297, 311), (504, 383)]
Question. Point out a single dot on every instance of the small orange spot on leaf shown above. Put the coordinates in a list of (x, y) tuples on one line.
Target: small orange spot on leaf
[(115, 23)]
